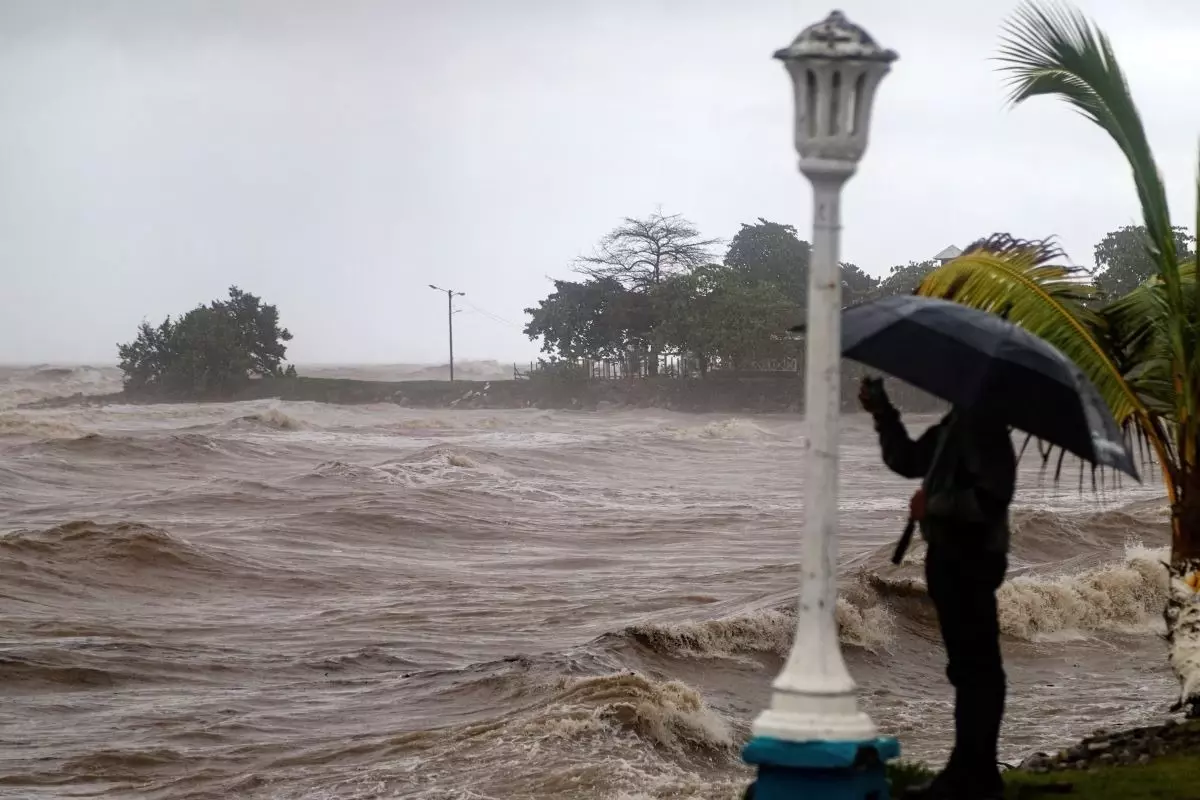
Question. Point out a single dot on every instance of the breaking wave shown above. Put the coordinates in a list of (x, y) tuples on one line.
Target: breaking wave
[(667, 714), (19, 385), (270, 419), (430, 466), (768, 630), (726, 429), (36, 427), (177, 447), (1122, 597), (95, 544)]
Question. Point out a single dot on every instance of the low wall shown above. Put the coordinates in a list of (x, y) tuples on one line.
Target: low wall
[(766, 392)]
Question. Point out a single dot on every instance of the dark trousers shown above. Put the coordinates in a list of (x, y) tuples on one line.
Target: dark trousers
[(962, 584)]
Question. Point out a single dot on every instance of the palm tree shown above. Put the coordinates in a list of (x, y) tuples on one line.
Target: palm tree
[(1142, 350)]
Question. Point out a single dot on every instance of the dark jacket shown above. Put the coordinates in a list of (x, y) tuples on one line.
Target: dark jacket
[(968, 485)]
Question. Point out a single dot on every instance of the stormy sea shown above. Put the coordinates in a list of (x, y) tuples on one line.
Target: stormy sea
[(293, 600)]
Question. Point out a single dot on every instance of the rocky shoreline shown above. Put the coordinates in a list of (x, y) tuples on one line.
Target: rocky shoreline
[(1120, 748)]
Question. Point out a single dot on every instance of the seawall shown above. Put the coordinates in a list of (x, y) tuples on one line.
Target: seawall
[(766, 392)]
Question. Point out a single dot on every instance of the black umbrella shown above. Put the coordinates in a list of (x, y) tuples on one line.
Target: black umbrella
[(975, 359)]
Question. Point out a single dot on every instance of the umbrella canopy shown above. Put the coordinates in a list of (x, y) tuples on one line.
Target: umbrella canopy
[(977, 360)]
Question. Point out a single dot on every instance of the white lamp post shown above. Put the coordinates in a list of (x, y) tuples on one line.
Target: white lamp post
[(835, 67)]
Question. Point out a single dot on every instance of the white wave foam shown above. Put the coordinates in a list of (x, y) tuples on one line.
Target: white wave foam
[(421, 424), (869, 627), (1183, 616), (433, 465), (618, 735), (1126, 596), (1123, 597), (275, 419), (348, 471), (429, 467), (20, 385), (733, 428), (668, 713)]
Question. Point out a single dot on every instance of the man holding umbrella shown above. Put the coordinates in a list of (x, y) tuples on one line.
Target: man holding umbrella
[(990, 371), (968, 467)]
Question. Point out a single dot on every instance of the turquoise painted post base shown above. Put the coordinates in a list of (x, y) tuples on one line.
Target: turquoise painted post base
[(820, 770)]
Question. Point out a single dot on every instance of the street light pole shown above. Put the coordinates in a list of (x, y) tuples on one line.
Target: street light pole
[(813, 741), (450, 295)]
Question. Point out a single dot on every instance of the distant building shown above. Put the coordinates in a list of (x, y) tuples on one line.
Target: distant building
[(949, 254)]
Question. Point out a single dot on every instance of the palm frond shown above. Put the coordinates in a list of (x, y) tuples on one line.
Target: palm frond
[(1192, 376), (1042, 251), (1057, 51), (1139, 316), (1048, 300), (1142, 336)]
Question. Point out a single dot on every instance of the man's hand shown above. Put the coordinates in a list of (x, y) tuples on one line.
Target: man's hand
[(873, 397), (916, 506)]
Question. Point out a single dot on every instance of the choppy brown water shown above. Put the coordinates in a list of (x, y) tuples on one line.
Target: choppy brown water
[(308, 601)]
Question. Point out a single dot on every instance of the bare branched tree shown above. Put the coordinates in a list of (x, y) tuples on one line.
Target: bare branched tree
[(641, 253)]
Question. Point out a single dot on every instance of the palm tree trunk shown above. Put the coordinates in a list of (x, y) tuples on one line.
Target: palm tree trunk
[(1183, 599)]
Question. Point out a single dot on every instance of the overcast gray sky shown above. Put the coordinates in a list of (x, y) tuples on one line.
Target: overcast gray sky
[(337, 156)]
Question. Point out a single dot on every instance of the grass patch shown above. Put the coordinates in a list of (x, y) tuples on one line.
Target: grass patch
[(904, 775), (1167, 778)]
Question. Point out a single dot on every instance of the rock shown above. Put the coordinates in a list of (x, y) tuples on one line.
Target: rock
[(1036, 761), (1103, 749)]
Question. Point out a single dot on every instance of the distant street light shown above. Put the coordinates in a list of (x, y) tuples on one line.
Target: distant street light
[(813, 741), (450, 295)]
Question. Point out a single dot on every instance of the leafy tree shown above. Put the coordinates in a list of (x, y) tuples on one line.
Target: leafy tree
[(649, 291), (591, 319), (771, 252), (748, 322), (210, 350), (144, 360), (1124, 258), (640, 254), (714, 313), (260, 335), (905, 279), (857, 286), (1142, 351)]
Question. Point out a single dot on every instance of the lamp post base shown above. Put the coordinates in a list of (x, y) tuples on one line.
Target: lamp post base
[(820, 770)]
